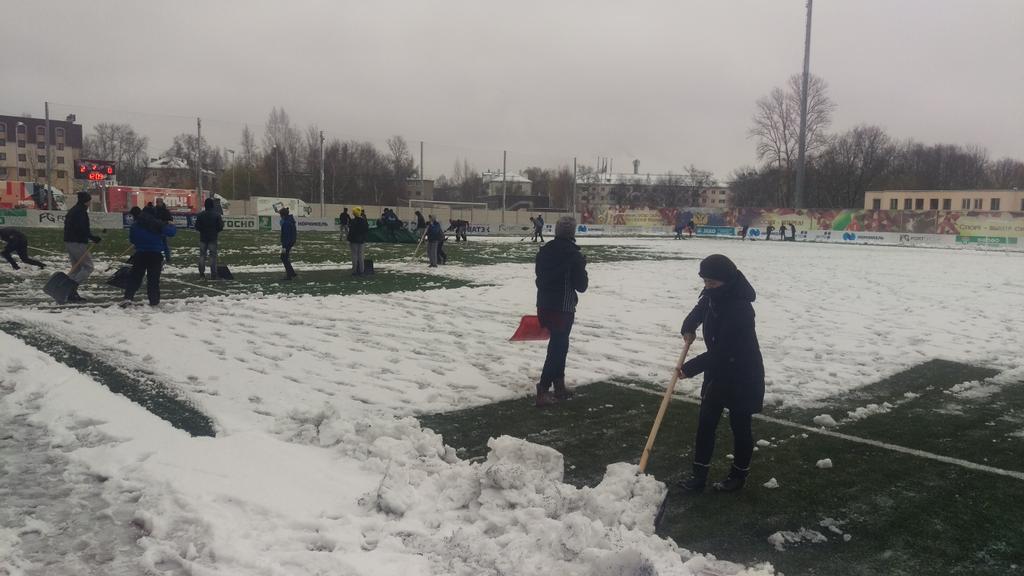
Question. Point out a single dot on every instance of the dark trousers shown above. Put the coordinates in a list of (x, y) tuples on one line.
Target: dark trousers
[(146, 264), (21, 249), (742, 436), (286, 257), (560, 325), (442, 256)]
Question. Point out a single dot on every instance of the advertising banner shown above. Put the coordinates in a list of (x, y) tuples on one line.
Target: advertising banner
[(240, 223), (716, 231), (306, 224)]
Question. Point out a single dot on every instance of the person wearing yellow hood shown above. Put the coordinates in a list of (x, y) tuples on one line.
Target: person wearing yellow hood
[(358, 231)]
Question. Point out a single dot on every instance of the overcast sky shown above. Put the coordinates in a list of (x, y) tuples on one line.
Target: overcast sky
[(671, 83)]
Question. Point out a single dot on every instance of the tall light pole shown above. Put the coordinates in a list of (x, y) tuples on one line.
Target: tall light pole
[(17, 141), (798, 196), (234, 193), (321, 174), (49, 182), (277, 169)]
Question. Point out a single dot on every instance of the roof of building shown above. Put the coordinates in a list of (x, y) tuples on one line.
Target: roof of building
[(980, 191), (509, 177)]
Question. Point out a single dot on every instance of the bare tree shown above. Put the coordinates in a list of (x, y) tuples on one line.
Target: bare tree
[(1007, 173), (121, 144), (852, 163), (777, 127)]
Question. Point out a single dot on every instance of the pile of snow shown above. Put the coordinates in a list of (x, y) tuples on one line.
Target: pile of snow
[(975, 390), (785, 538), (824, 463), (771, 484), (869, 410), (825, 421)]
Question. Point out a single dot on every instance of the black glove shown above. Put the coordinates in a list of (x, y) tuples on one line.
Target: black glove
[(95, 239)]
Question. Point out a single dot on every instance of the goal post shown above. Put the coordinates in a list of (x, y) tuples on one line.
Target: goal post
[(445, 210)]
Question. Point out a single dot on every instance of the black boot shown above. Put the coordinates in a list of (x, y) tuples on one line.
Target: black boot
[(733, 482), (544, 398), (696, 481), (560, 391)]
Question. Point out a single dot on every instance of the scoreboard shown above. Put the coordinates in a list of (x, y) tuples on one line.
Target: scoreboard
[(94, 170)]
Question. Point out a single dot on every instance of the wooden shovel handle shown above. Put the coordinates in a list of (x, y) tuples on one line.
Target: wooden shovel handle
[(662, 409)]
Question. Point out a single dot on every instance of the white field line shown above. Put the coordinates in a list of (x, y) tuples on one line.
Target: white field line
[(868, 442)]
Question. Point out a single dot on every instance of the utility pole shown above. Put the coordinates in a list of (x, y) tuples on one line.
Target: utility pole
[(234, 191), (423, 189), (798, 197), (199, 159), (49, 183), (277, 170), (322, 174), (574, 186), (504, 183)]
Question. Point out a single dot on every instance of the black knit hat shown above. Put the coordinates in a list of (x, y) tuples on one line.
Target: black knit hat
[(718, 267), (84, 197)]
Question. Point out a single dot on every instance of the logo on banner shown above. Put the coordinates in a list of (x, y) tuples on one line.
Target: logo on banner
[(849, 236), (754, 233), (240, 223), (479, 229)]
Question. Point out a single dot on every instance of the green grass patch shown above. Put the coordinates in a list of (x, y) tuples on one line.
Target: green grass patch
[(256, 248), (139, 386), (903, 514)]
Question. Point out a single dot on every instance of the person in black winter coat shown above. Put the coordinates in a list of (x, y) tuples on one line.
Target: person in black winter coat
[(561, 272), (17, 242), (209, 224), (163, 214), (732, 366), (77, 235), (344, 221), (358, 232), (289, 234)]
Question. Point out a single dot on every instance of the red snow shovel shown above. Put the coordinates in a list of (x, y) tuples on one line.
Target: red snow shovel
[(530, 329)]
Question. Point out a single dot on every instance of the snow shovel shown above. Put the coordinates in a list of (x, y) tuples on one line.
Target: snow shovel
[(224, 273), (527, 234), (530, 329), (657, 424), (60, 286), (416, 252), (120, 278)]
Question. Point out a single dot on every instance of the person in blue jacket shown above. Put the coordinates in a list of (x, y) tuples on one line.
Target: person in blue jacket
[(289, 234), (148, 235)]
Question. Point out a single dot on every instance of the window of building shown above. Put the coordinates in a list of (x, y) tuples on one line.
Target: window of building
[(894, 204), (40, 158), (908, 204), (947, 204), (62, 174), (22, 172), (22, 158), (60, 132), (919, 204), (933, 204), (965, 204), (41, 173), (3, 172), (40, 132), (3, 128), (41, 145), (3, 141), (60, 159), (3, 156), (60, 146), (21, 143), (994, 203), (1022, 204), (876, 204), (21, 129), (977, 203)]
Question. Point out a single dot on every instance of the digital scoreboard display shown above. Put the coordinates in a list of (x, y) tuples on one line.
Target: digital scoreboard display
[(94, 170)]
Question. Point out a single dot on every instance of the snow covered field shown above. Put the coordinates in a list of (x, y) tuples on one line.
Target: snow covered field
[(319, 468)]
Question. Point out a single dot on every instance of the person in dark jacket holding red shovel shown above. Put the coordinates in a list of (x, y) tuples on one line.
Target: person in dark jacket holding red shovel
[(561, 273), (732, 366)]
